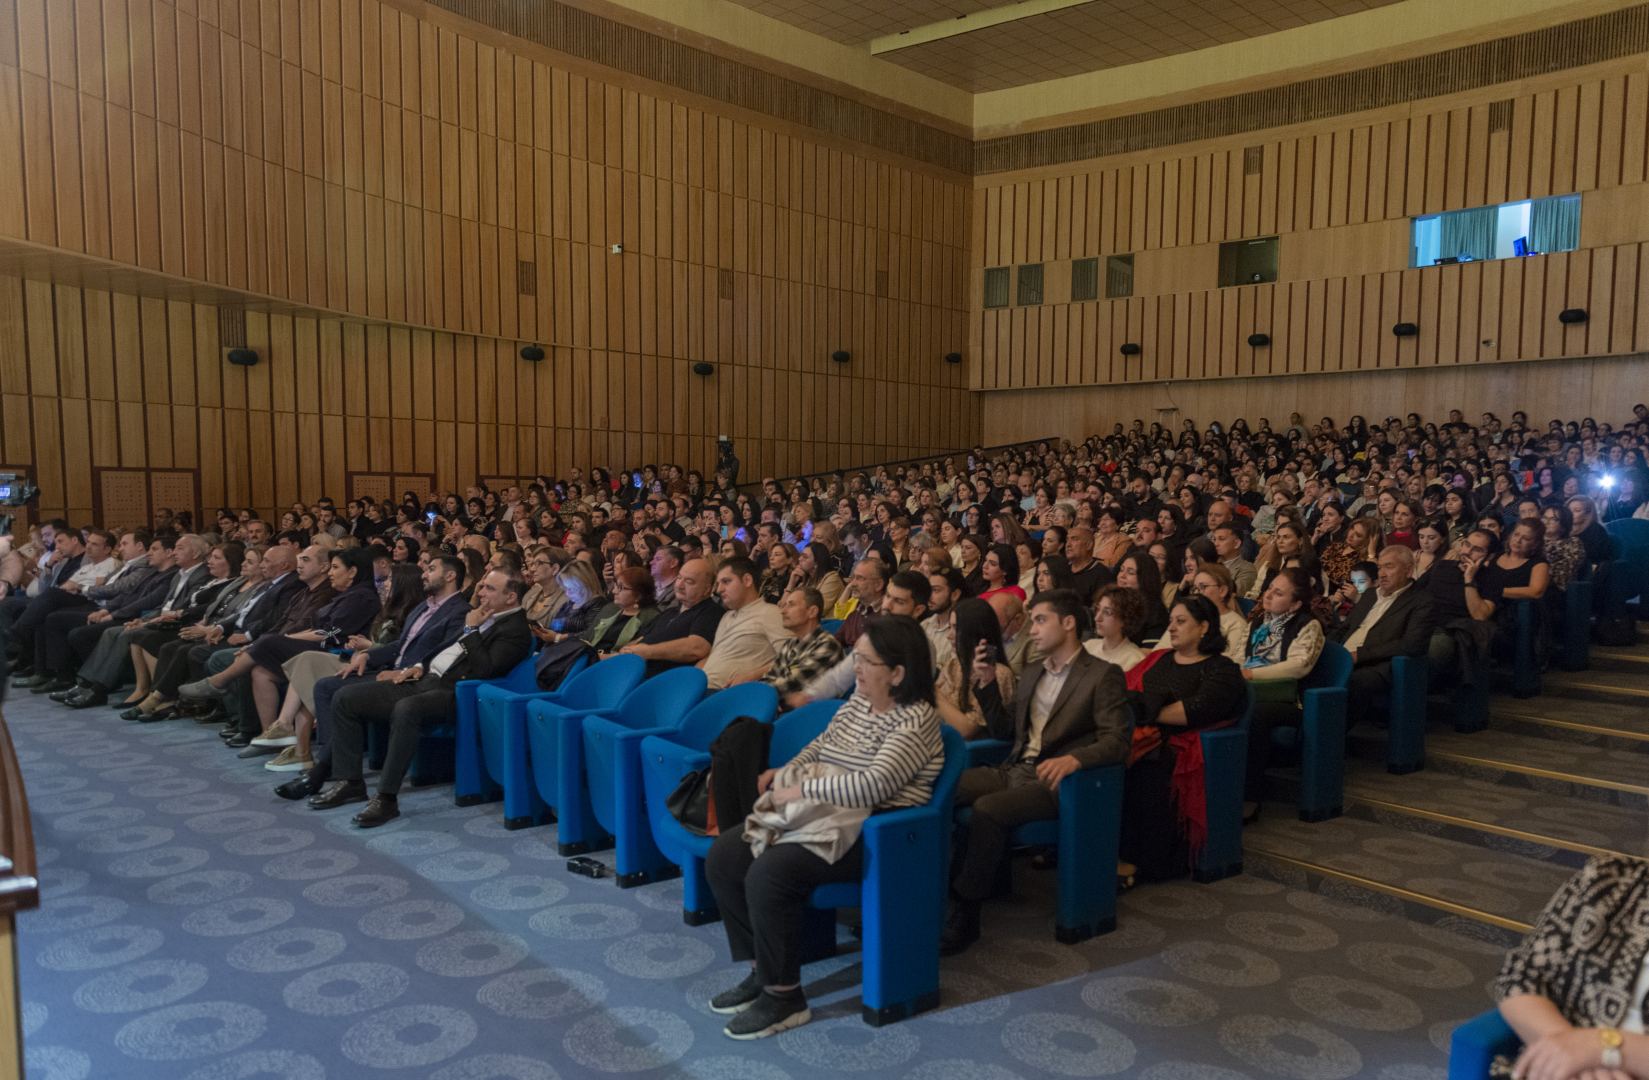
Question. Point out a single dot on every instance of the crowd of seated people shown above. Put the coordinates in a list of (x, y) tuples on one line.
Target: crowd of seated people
[(1090, 603)]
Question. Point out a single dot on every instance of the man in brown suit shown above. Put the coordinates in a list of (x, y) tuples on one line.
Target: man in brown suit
[(1070, 712)]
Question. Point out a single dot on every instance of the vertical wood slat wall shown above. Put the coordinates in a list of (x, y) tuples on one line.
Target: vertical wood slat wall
[(1340, 196), (350, 157), (1604, 387)]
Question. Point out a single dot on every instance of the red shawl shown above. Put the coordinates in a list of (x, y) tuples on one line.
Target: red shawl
[(1186, 788)]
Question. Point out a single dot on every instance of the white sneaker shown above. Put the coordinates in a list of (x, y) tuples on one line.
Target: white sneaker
[(279, 735)]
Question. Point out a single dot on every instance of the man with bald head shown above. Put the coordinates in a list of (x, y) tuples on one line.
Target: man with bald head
[(1392, 619), (683, 637)]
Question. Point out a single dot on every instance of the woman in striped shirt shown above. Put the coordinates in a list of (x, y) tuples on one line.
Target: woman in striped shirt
[(887, 752)]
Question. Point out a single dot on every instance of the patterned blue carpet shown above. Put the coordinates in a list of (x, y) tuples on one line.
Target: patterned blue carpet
[(195, 927)]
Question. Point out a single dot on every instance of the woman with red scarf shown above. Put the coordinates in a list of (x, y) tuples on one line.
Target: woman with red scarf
[(1180, 692)]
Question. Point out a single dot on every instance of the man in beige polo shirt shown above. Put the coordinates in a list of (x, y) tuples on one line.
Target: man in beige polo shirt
[(749, 633)]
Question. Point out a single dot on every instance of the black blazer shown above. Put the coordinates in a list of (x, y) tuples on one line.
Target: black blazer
[(1090, 719), (146, 597), (1404, 630), (267, 611), (437, 633), (494, 651)]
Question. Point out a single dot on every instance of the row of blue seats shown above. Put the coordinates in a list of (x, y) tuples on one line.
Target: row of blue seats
[(602, 754)]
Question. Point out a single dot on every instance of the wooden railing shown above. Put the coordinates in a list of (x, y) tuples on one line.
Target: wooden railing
[(19, 891)]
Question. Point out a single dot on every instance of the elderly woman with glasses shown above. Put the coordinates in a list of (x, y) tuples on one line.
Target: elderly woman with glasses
[(882, 750)]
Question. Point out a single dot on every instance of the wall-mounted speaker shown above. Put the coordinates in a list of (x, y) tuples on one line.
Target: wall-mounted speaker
[(1129, 348), (703, 368), (1405, 329), (1259, 341), (532, 353), (243, 357), (1570, 316), (841, 356), (953, 358)]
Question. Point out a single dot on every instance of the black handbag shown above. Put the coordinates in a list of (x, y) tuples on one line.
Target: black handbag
[(558, 659), (690, 802)]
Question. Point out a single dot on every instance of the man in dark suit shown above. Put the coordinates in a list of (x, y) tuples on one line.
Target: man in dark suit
[(1070, 712), (109, 663), (65, 637), (430, 629), (265, 610), (496, 637), (1392, 619)]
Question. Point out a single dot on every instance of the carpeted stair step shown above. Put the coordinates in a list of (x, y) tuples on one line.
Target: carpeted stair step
[(1481, 812), (1588, 772), (1504, 883)]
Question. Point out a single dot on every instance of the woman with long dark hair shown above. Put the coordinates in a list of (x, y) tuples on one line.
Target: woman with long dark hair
[(974, 633)]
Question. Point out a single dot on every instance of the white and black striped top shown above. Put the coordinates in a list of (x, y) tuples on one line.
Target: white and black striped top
[(891, 758)]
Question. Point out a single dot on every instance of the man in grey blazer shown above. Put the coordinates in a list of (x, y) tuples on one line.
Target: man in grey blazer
[(1070, 712)]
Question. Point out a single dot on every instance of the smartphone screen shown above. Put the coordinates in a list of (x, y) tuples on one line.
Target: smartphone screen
[(430, 517)]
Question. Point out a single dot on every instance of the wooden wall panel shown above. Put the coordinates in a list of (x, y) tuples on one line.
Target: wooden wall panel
[(1604, 387), (352, 158), (1339, 193)]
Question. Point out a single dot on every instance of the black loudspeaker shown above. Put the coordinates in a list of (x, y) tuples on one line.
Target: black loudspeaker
[(532, 353), (703, 368), (1129, 348), (953, 358), (1569, 316), (243, 357), (1405, 329), (841, 356), (1259, 341)]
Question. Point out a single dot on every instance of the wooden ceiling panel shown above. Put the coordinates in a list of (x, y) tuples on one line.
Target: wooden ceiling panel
[(1092, 36)]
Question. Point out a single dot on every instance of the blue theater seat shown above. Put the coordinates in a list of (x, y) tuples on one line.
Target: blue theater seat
[(664, 761), (440, 749), (1477, 1042), (1088, 836), (612, 752), (902, 898)]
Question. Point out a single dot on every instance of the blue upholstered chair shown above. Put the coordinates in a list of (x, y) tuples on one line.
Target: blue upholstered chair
[(830, 626), (501, 729), (612, 757), (1321, 737), (1224, 772), (1088, 836), (1406, 726), (441, 747), (664, 761), (1477, 1042), (472, 784), (1574, 645), (901, 898), (1629, 573)]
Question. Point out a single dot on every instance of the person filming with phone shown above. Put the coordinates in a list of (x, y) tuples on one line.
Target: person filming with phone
[(976, 633)]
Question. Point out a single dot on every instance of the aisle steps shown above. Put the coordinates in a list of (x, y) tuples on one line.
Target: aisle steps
[(1496, 820)]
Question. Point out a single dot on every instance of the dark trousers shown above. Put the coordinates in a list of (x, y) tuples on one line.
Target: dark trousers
[(1370, 683), (1267, 716), (320, 743), (1003, 797), (51, 642), (172, 666), (1151, 837), (406, 706), (763, 901), (32, 616)]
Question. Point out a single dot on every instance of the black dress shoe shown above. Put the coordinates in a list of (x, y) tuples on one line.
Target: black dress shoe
[(240, 740), (133, 713), (21, 675), (301, 786), (344, 791), (961, 927), (86, 699), (250, 751), (380, 811), (162, 713), (47, 685)]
